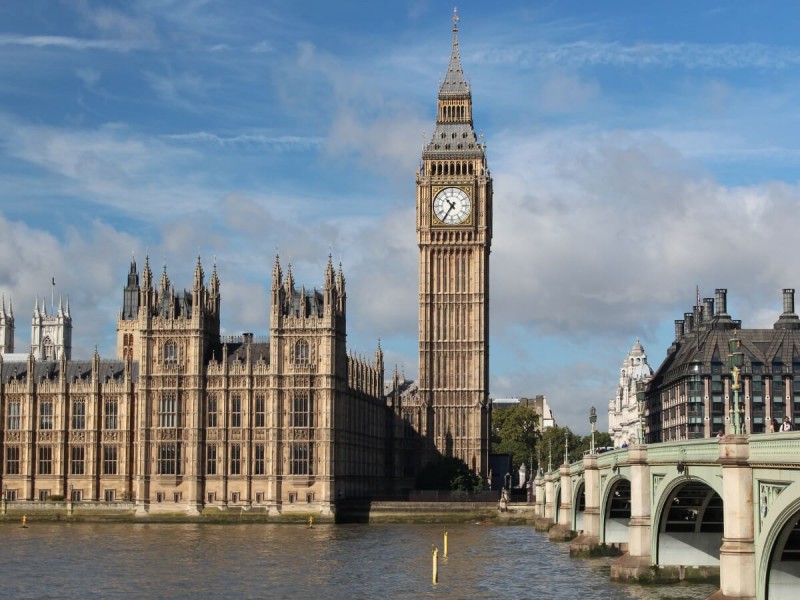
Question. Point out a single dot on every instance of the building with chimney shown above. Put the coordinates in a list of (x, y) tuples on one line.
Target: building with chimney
[(690, 395)]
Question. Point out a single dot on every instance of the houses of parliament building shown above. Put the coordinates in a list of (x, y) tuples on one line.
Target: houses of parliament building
[(185, 419)]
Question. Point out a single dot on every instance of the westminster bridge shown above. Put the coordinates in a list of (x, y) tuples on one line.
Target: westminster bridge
[(688, 509)]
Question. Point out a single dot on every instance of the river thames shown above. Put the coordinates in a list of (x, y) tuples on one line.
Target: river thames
[(59, 560)]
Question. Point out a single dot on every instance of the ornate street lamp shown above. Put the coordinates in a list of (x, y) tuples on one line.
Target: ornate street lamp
[(640, 397), (566, 448), (549, 455), (735, 361), (592, 421)]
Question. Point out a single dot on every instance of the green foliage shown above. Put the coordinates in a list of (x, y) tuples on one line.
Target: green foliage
[(553, 440), (514, 432), (448, 473)]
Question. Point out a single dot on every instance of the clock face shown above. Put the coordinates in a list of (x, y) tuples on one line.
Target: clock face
[(452, 206)]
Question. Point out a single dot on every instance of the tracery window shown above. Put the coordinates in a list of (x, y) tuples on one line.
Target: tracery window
[(259, 459), (109, 460), (168, 410), (49, 349), (301, 458), (170, 353), (14, 421), (301, 353), (261, 402), (46, 415), (12, 460), (211, 410), (77, 457), (45, 460), (79, 414), (211, 459), (169, 458), (110, 413), (236, 459), (236, 410), (301, 410)]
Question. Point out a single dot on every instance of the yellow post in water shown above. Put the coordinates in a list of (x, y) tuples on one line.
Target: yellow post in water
[(310, 522), (24, 520), (435, 566), (445, 544)]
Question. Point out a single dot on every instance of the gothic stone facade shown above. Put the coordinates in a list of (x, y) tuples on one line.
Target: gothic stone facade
[(186, 419)]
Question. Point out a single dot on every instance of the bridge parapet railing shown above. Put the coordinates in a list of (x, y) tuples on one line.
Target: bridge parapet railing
[(576, 468), (607, 459), (775, 448), (705, 450)]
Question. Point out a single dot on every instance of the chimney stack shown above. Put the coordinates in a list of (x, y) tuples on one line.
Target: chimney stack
[(722, 302)]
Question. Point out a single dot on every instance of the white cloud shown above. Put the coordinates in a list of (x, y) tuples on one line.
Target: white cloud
[(71, 43), (563, 92)]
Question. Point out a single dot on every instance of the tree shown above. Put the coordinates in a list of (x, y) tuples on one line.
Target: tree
[(514, 432), (448, 473), (602, 439), (553, 440)]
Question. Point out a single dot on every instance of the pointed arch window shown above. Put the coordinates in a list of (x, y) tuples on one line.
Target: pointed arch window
[(301, 353), (170, 353), (49, 350)]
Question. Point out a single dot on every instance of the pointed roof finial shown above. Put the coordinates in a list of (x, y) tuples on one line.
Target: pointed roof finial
[(454, 81)]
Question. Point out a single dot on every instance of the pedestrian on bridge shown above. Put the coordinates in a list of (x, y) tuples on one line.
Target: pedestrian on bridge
[(787, 424)]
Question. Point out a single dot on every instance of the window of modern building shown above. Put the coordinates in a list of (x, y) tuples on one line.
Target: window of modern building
[(45, 460), (14, 421), (46, 415), (211, 410), (12, 460), (79, 414), (110, 407), (261, 403), (236, 410), (77, 456), (778, 391), (109, 460), (301, 353), (211, 459), (168, 410), (258, 453), (236, 459), (169, 457)]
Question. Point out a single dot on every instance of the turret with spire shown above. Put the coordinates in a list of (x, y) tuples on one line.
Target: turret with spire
[(6, 327)]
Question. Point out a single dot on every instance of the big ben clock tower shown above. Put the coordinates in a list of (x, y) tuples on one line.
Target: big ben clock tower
[(454, 234)]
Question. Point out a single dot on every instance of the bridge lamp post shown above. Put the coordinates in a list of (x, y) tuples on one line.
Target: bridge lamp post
[(640, 396), (592, 421), (735, 361), (566, 448)]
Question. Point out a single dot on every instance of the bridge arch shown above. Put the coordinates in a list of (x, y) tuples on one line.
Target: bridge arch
[(778, 570), (688, 522), (615, 511), (578, 505), (556, 502)]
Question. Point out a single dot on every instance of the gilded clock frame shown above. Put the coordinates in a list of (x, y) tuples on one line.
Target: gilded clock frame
[(468, 190)]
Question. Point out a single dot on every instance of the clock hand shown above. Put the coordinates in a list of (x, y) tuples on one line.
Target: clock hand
[(452, 206)]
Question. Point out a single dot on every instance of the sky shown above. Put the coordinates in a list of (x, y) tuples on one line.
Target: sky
[(639, 150)]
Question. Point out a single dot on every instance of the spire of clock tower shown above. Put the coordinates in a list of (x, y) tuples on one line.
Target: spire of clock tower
[(454, 133), (454, 82)]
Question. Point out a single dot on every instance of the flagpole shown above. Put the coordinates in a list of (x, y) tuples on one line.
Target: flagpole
[(53, 295)]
